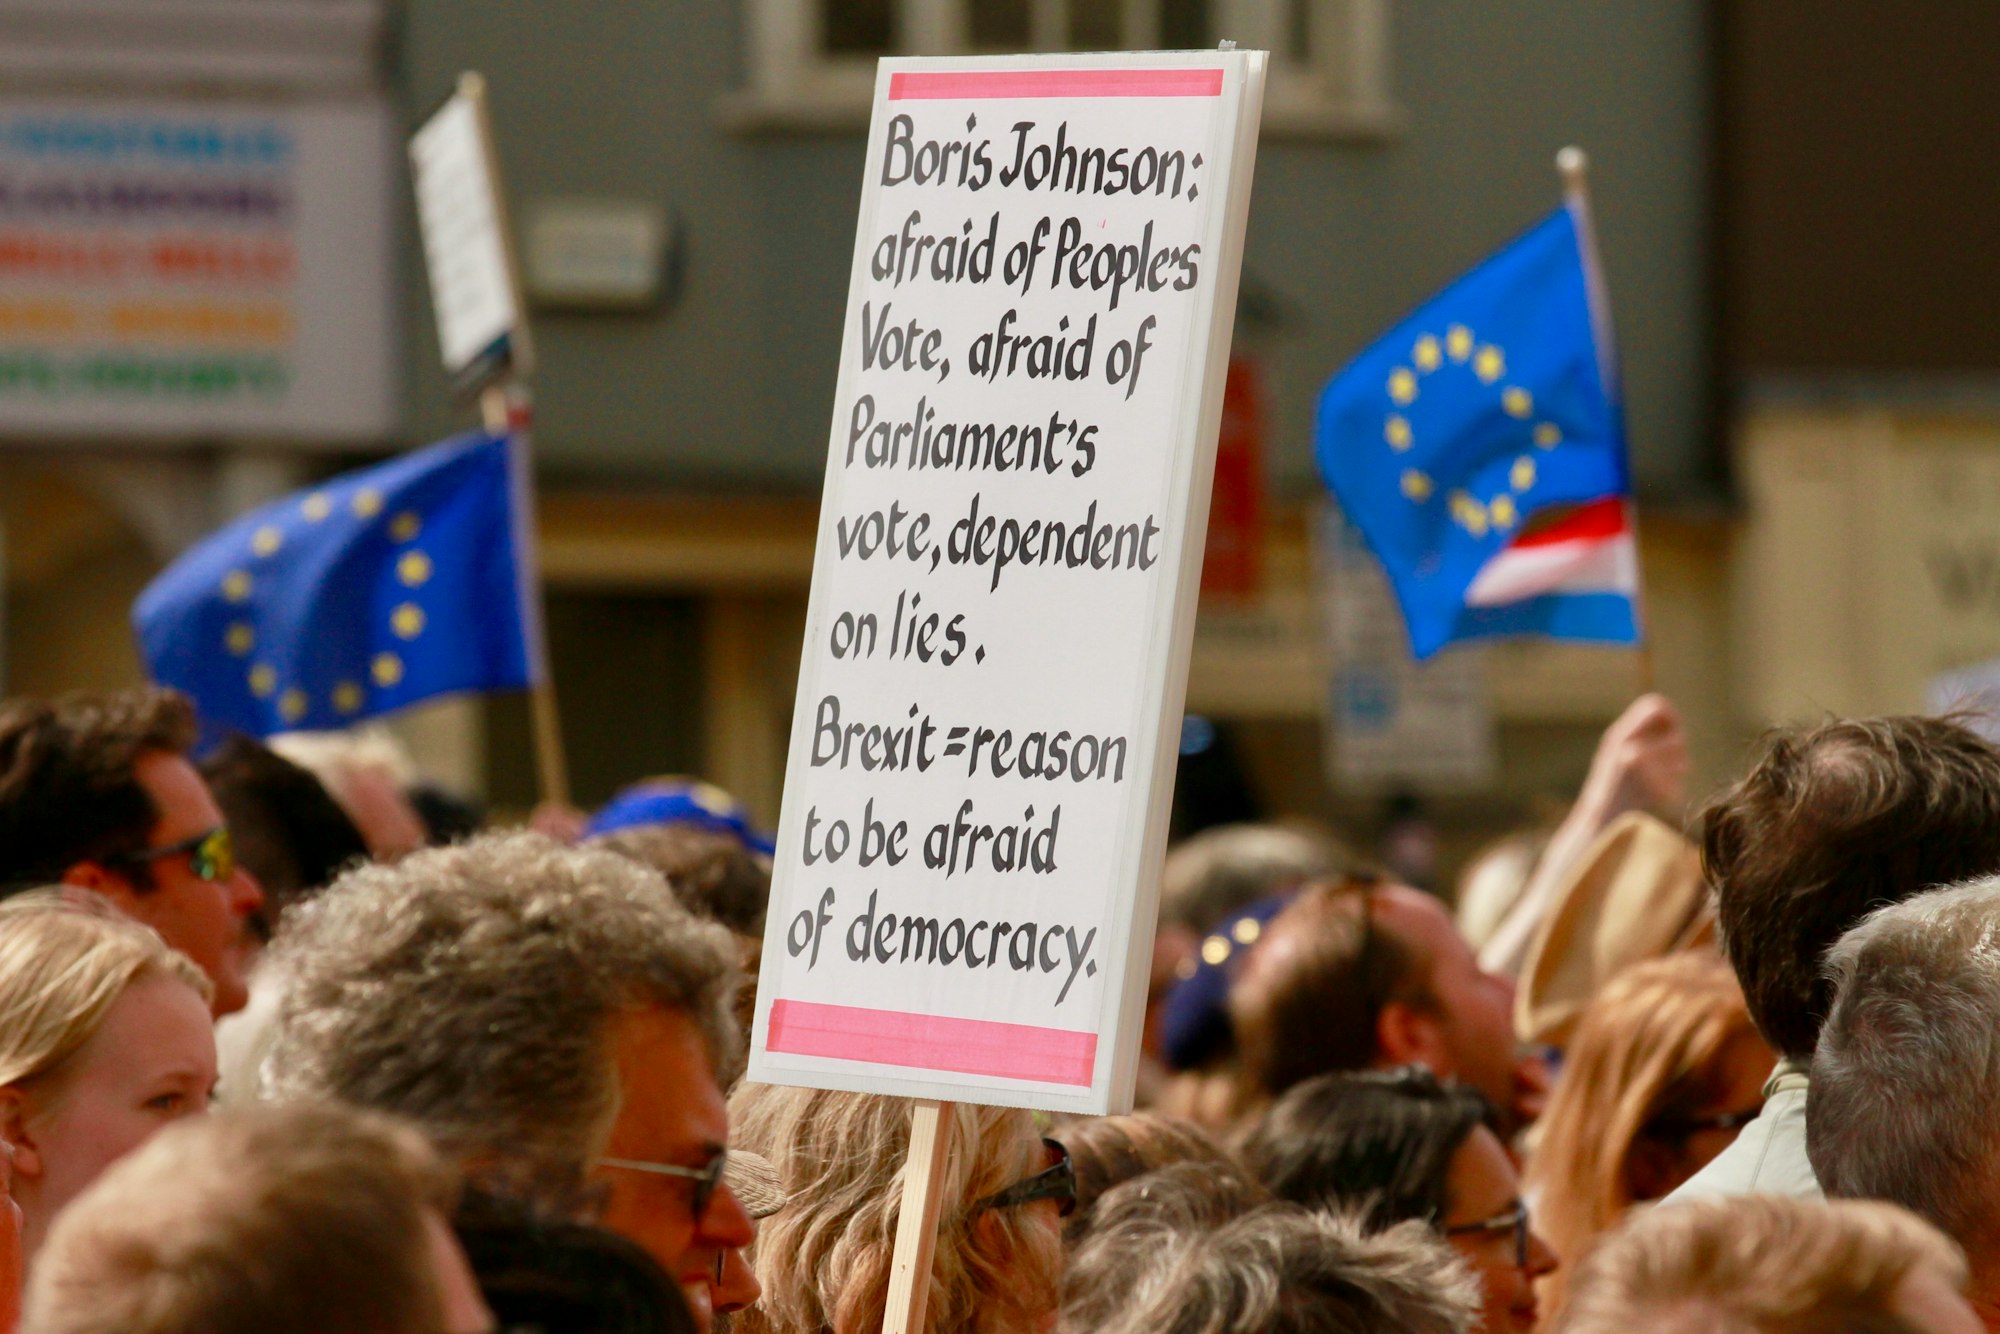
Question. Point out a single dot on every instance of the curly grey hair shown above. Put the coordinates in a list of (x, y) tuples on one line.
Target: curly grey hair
[(1282, 1269), (1908, 1065), (471, 989)]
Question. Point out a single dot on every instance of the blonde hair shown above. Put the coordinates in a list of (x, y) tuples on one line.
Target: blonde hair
[(64, 962), (824, 1258), (1757, 1264), (1647, 1046)]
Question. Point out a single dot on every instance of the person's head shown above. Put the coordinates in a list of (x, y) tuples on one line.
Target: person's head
[(1663, 1071), (1285, 1270), (543, 1274), (1763, 1264), (96, 791), (824, 1259), (1355, 974), (105, 1038), (289, 833), (312, 1219), (1223, 870), (1137, 1229), (715, 875), (1832, 821), (1399, 1145), (1210, 877), (547, 1014), (1907, 1075), (369, 772), (1107, 1151)]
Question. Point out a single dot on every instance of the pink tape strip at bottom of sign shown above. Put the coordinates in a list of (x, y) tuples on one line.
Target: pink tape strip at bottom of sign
[(932, 1042)]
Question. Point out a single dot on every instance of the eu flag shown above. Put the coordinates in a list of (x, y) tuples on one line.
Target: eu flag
[(378, 589), (1492, 405)]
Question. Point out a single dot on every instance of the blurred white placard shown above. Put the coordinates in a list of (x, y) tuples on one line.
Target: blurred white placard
[(463, 220), (1394, 723), (191, 269), (1040, 306)]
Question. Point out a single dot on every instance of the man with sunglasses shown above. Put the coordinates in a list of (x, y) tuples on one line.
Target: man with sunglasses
[(96, 792)]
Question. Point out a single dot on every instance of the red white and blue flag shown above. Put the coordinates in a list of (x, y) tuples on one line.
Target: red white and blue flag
[(1576, 577)]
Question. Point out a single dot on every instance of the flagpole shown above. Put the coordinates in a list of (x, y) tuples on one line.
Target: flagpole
[(1573, 165), (505, 406)]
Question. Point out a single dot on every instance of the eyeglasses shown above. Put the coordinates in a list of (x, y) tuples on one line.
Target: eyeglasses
[(1677, 1128), (1514, 1220), (707, 1179), (1057, 1182), (211, 855)]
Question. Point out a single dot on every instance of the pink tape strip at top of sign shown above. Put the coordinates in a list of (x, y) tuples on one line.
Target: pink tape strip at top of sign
[(933, 1042), (1016, 83)]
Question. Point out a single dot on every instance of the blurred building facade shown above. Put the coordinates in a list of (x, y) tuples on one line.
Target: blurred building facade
[(681, 435)]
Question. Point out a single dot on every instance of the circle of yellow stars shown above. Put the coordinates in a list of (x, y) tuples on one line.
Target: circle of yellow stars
[(1461, 347), (407, 621)]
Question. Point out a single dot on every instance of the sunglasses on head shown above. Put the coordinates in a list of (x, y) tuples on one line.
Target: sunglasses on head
[(211, 855), (1056, 1182)]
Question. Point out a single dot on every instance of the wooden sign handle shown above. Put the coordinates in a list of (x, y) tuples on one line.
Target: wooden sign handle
[(917, 1222)]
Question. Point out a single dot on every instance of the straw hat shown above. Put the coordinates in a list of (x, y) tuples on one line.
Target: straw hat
[(1637, 893)]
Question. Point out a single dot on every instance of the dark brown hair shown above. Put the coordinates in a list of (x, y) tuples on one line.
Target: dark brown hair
[(1833, 821), (67, 792), (289, 832), (1308, 997), (1376, 1143)]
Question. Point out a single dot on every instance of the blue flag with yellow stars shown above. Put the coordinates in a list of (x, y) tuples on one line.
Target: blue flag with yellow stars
[(1455, 440), (375, 590)]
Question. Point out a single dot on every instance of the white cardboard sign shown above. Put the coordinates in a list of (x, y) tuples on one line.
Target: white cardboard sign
[(1010, 544), (464, 224)]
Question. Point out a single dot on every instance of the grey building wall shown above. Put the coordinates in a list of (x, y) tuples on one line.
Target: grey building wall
[(733, 384)]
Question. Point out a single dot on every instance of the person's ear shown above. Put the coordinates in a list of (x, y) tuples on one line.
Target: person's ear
[(92, 877), (1406, 1034), (14, 1129)]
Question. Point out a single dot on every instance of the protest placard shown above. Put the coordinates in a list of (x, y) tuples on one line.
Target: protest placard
[(981, 761), (468, 251)]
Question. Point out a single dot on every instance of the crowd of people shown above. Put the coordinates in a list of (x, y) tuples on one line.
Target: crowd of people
[(290, 1042)]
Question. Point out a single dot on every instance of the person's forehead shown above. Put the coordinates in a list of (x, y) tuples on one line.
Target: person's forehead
[(667, 1090), (181, 800), (1481, 1178), (160, 1023), (1419, 920)]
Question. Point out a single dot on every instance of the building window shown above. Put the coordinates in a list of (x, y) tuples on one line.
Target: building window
[(810, 64)]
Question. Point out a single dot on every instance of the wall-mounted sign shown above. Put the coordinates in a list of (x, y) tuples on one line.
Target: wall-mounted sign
[(196, 270)]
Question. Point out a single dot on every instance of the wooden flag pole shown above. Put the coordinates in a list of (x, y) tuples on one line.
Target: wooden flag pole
[(917, 1220), (504, 406), (1573, 165)]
